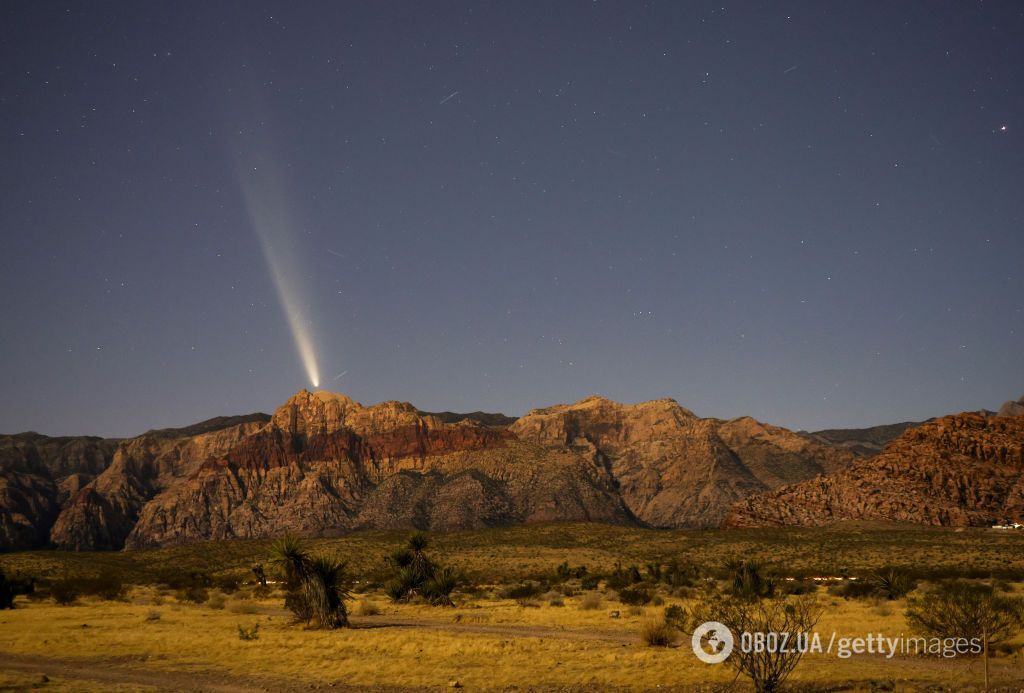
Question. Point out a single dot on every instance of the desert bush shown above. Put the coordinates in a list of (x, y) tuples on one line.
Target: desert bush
[(216, 601), (195, 594), (853, 589), (677, 574), (12, 586), (590, 602), (228, 584), (251, 633), (892, 583), (64, 591), (590, 582), (563, 572), (961, 609), (624, 577), (314, 584), (180, 578), (524, 591), (108, 585), (678, 618), (634, 596), (657, 633), (797, 587), (767, 670)]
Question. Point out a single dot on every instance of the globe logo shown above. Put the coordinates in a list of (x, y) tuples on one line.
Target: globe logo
[(712, 642)]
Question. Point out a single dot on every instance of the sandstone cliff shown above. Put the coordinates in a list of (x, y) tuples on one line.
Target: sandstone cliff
[(962, 470), (326, 464), (673, 468)]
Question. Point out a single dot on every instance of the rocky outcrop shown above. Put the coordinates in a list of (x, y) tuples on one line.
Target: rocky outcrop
[(962, 470), (101, 513), (37, 476), (326, 464), (673, 468), (1012, 408)]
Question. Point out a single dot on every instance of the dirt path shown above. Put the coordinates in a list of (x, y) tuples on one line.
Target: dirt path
[(131, 671), (510, 631), (118, 672)]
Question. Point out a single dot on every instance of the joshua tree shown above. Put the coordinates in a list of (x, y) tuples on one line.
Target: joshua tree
[(416, 574), (314, 584)]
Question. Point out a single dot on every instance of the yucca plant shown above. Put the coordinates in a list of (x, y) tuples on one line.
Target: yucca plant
[(314, 584), (438, 589), (416, 574), (893, 583)]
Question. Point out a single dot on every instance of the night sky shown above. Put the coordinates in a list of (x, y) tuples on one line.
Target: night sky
[(809, 213)]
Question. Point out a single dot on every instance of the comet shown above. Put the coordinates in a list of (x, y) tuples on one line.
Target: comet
[(266, 205)]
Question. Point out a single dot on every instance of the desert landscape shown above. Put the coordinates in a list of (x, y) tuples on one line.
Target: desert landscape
[(512, 347), (570, 548)]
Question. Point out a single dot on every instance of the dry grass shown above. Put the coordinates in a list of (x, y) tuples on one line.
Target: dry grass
[(500, 645), (495, 642)]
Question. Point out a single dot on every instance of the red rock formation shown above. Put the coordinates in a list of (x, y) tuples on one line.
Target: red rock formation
[(962, 470), (673, 468)]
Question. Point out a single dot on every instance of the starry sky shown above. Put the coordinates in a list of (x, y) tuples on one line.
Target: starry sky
[(811, 213)]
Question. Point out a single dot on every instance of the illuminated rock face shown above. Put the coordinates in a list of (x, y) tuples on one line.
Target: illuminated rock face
[(961, 470), (324, 463)]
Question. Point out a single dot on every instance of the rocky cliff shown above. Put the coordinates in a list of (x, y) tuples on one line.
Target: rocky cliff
[(961, 470), (673, 468), (324, 463)]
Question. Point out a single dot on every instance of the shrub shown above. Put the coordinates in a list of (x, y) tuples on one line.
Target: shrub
[(64, 591), (624, 577), (228, 584), (523, 591), (249, 633), (853, 589), (107, 585), (634, 596), (590, 582), (767, 669), (591, 602), (217, 601), (655, 633), (179, 579), (193, 593), (676, 617), (893, 583), (11, 587), (960, 609)]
